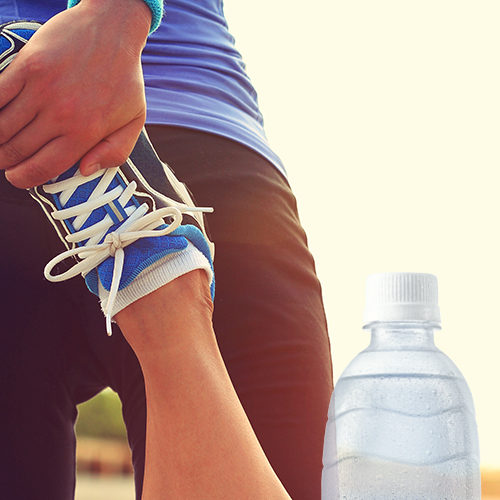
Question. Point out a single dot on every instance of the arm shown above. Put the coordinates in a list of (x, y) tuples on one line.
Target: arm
[(75, 92)]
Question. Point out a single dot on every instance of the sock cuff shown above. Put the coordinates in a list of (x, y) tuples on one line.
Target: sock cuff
[(158, 274)]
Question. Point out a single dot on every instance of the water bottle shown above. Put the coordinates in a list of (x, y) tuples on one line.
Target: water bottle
[(401, 422)]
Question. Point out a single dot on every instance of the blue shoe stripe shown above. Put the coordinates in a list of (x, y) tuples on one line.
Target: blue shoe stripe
[(116, 211), (120, 209)]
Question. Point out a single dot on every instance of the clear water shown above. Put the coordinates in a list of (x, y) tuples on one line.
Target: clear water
[(401, 425), (377, 479)]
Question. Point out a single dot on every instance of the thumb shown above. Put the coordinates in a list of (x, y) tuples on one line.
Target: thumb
[(113, 150)]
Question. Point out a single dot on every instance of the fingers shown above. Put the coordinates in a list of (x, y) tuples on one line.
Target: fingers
[(11, 84), (113, 150), (23, 145), (15, 116), (32, 157), (59, 154), (16, 112), (55, 157)]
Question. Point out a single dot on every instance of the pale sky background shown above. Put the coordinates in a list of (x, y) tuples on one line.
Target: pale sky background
[(387, 117)]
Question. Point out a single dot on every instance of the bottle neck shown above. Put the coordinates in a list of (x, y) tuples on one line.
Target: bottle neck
[(407, 335)]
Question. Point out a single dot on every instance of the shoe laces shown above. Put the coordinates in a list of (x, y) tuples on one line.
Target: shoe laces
[(138, 224)]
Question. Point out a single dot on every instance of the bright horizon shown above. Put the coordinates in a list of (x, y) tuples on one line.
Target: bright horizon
[(387, 118)]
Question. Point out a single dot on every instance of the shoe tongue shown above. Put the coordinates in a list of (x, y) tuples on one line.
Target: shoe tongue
[(66, 175)]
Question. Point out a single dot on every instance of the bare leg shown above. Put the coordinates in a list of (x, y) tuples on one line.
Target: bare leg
[(199, 442)]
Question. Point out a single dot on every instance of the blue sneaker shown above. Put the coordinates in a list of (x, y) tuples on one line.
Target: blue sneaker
[(131, 228)]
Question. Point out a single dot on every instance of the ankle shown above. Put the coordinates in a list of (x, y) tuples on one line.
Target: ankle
[(177, 313)]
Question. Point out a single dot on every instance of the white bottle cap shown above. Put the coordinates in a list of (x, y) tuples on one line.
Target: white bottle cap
[(401, 297)]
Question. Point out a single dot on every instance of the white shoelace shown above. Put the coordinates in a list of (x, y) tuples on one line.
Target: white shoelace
[(139, 224)]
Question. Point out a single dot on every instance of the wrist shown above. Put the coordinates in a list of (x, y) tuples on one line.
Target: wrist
[(136, 13)]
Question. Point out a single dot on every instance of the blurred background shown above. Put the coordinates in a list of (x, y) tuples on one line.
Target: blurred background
[(387, 117)]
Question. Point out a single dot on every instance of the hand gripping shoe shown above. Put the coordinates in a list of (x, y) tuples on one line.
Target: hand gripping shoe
[(131, 228)]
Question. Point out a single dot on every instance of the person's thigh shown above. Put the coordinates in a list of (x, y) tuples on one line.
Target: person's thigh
[(269, 318)]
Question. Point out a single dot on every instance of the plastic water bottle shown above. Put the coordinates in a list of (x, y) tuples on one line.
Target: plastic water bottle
[(401, 422)]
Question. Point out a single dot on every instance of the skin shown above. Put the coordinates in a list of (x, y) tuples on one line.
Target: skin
[(199, 441), (75, 91)]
